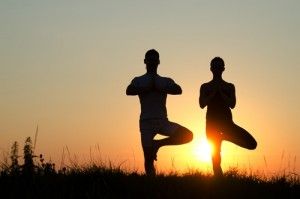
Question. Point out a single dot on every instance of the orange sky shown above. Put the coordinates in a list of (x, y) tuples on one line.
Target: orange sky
[(65, 67)]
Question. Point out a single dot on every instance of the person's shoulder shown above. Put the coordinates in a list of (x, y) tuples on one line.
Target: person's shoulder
[(162, 77), (206, 84), (167, 79), (141, 77), (229, 84), (138, 80)]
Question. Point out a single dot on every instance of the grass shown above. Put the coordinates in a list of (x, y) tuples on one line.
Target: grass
[(39, 179), (108, 182)]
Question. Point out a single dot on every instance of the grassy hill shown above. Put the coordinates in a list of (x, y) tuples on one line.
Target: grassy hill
[(100, 182), (39, 179)]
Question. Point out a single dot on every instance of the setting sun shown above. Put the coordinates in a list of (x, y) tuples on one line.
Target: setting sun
[(203, 150)]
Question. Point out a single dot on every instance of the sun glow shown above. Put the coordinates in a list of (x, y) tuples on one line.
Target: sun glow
[(203, 150)]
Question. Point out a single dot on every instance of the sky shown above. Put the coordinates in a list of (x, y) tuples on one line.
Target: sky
[(65, 66)]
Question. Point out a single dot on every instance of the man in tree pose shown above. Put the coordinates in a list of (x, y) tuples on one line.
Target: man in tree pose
[(152, 90), (219, 97)]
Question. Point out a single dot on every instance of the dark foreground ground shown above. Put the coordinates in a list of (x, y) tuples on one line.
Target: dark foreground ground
[(109, 183)]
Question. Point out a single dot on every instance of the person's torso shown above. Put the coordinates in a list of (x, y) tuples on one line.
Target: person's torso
[(153, 103), (217, 109)]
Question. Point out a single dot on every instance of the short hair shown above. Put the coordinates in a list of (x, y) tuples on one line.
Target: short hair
[(151, 53), (216, 63)]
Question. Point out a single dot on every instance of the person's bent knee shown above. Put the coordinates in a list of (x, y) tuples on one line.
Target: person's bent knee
[(254, 145), (188, 135)]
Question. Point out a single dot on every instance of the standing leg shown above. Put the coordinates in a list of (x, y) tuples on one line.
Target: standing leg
[(149, 161), (216, 158), (215, 137), (147, 135)]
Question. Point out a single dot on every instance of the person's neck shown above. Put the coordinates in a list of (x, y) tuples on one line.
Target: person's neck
[(152, 72), (217, 78)]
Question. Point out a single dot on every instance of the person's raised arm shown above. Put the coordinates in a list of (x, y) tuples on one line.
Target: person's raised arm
[(135, 88), (229, 99), (205, 96)]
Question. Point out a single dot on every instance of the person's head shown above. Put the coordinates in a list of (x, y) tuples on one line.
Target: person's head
[(217, 66), (151, 60)]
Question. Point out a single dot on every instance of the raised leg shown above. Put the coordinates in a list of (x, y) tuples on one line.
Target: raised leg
[(182, 135), (176, 135), (239, 136)]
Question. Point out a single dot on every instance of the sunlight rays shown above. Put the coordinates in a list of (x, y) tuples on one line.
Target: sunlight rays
[(203, 150)]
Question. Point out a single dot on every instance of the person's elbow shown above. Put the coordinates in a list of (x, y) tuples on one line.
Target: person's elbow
[(175, 90), (130, 91), (202, 105), (232, 105), (127, 92)]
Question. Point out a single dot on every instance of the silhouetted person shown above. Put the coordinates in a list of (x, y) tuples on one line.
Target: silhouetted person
[(152, 90), (219, 97)]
